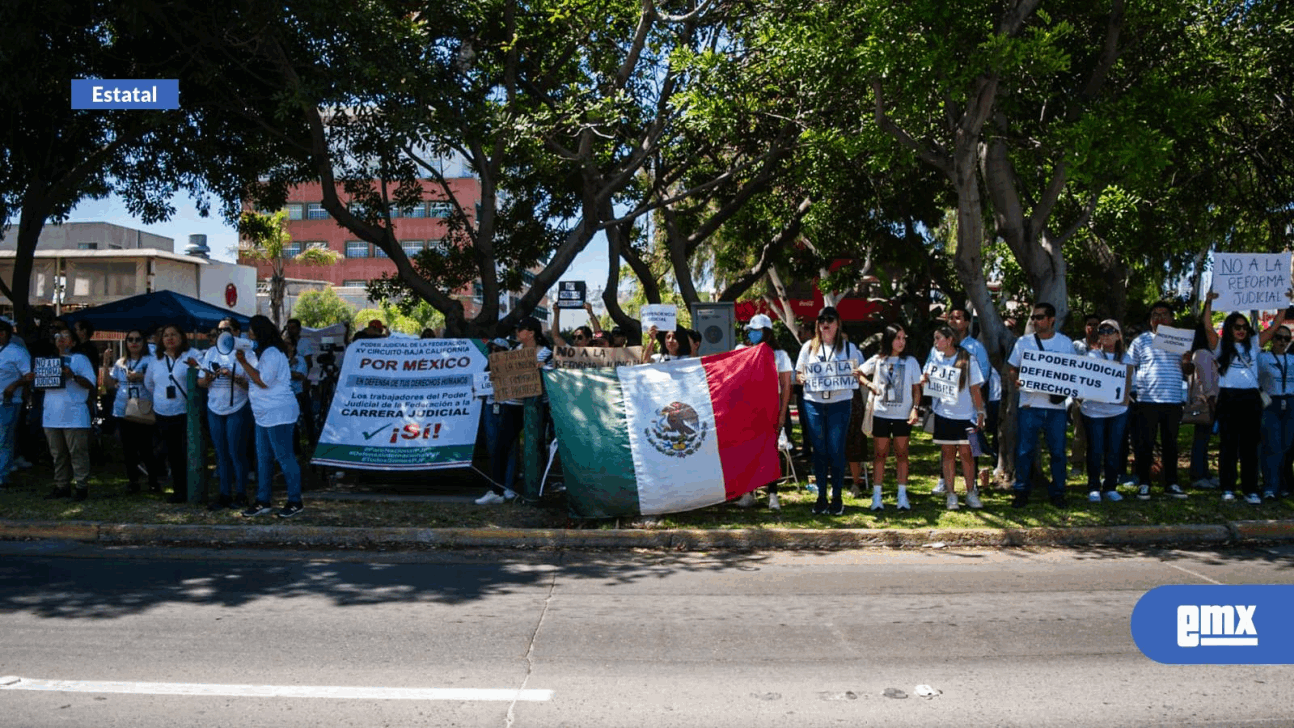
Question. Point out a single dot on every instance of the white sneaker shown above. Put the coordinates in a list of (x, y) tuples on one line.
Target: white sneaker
[(490, 499), (1143, 492), (952, 502), (1094, 496), (903, 504), (1113, 496), (1228, 497), (773, 505), (1176, 491), (1253, 499), (940, 488), (876, 502), (972, 499), (746, 501)]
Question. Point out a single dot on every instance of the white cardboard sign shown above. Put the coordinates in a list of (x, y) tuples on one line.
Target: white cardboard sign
[(1251, 281), (664, 316), (1080, 377), (1173, 341), (943, 382), (823, 376)]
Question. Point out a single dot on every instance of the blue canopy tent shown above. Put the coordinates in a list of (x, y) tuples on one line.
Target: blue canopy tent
[(150, 310)]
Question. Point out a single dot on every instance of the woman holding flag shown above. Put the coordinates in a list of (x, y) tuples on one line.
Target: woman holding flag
[(827, 410)]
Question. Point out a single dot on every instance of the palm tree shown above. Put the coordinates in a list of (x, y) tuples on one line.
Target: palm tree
[(265, 237)]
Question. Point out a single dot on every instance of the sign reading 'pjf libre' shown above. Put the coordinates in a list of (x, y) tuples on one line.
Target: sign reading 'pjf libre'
[(1080, 377)]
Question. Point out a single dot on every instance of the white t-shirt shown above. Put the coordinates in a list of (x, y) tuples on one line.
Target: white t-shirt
[(1104, 409), (896, 376), (1058, 343), (223, 396), (166, 372), (827, 353), (1242, 372), (274, 404), (125, 389), (15, 363), (68, 407), (964, 407)]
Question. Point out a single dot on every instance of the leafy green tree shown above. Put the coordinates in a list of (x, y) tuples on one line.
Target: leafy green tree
[(321, 308), (266, 238)]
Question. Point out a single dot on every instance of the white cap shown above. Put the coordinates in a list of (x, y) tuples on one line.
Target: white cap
[(760, 321)]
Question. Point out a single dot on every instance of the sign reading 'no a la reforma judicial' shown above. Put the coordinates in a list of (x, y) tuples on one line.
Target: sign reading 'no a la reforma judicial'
[(1251, 281)]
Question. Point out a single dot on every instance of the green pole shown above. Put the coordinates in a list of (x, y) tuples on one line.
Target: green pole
[(197, 488), (531, 454)]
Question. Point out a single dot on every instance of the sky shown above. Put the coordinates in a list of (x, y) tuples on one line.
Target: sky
[(589, 266)]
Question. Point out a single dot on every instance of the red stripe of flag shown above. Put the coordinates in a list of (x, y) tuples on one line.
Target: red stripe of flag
[(743, 390)]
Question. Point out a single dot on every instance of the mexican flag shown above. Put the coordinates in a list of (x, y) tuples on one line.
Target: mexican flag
[(668, 437)]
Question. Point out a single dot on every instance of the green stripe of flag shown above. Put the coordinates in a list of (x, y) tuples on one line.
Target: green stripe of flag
[(592, 433)]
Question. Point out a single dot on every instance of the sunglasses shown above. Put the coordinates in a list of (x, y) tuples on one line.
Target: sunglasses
[(579, 337), (1239, 327), (828, 320), (1039, 316), (134, 340), (1105, 330)]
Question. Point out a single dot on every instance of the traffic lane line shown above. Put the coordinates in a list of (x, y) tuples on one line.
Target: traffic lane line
[(337, 692)]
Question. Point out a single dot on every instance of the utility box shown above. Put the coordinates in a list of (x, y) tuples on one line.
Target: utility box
[(717, 324)]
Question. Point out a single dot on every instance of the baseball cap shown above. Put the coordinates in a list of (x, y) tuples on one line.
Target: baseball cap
[(760, 321)]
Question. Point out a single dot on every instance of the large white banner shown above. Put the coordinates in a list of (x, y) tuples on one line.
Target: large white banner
[(1251, 281), (404, 404), (1080, 377), (823, 376)]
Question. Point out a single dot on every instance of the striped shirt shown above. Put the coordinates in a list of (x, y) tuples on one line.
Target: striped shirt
[(1159, 373)]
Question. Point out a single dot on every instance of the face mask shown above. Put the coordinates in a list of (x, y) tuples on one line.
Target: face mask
[(756, 337)]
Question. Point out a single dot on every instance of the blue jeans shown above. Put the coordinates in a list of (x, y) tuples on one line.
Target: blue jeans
[(275, 443), (8, 426), (828, 427), (1200, 451), (501, 433), (1051, 423), (1104, 441), (229, 435), (1278, 436)]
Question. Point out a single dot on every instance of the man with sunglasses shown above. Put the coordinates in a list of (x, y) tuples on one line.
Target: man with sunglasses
[(1158, 409), (1040, 412), (1276, 376)]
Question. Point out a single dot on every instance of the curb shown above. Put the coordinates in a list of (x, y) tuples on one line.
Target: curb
[(1232, 532)]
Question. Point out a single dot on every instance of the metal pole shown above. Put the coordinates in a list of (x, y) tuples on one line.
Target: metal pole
[(197, 468)]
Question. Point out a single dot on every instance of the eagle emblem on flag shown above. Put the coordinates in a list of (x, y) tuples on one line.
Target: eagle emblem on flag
[(678, 431)]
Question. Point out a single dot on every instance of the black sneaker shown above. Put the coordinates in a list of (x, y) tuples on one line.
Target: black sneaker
[(290, 510), (220, 503), (820, 508), (1058, 501), (239, 501), (838, 510), (59, 493), (257, 509), (1020, 499)]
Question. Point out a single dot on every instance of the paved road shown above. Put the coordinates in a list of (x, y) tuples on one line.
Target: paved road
[(1027, 638)]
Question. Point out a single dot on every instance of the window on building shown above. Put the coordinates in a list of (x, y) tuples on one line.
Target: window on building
[(440, 209), (356, 209), (355, 283), (356, 249), (540, 313), (418, 210), (438, 245), (316, 211), (411, 247), (317, 245), (296, 211), (379, 253), (292, 250), (87, 246), (527, 277)]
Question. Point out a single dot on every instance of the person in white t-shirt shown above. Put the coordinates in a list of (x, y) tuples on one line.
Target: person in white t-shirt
[(958, 418), (530, 334), (760, 331), (1105, 423), (1240, 407), (673, 345), (66, 418), (167, 382), (274, 409), (127, 376), (828, 410), (229, 419), (895, 381), (15, 365), (1040, 412)]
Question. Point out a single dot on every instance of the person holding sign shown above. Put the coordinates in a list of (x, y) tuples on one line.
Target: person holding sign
[(512, 417), (1158, 410), (167, 379), (827, 404), (673, 344), (895, 382), (959, 414), (582, 335), (136, 436), (1240, 405), (66, 418), (1276, 374), (1040, 412), (1106, 423)]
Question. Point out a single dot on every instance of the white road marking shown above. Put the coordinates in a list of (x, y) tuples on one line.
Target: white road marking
[(335, 692), (1193, 573)]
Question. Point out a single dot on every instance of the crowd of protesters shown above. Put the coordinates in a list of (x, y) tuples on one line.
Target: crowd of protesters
[(256, 387)]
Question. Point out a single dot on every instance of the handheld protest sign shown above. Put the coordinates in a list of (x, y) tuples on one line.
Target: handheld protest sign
[(515, 374), (48, 371), (595, 357), (1173, 341), (1080, 377), (943, 382), (824, 376), (571, 294), (664, 316), (1251, 281)]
